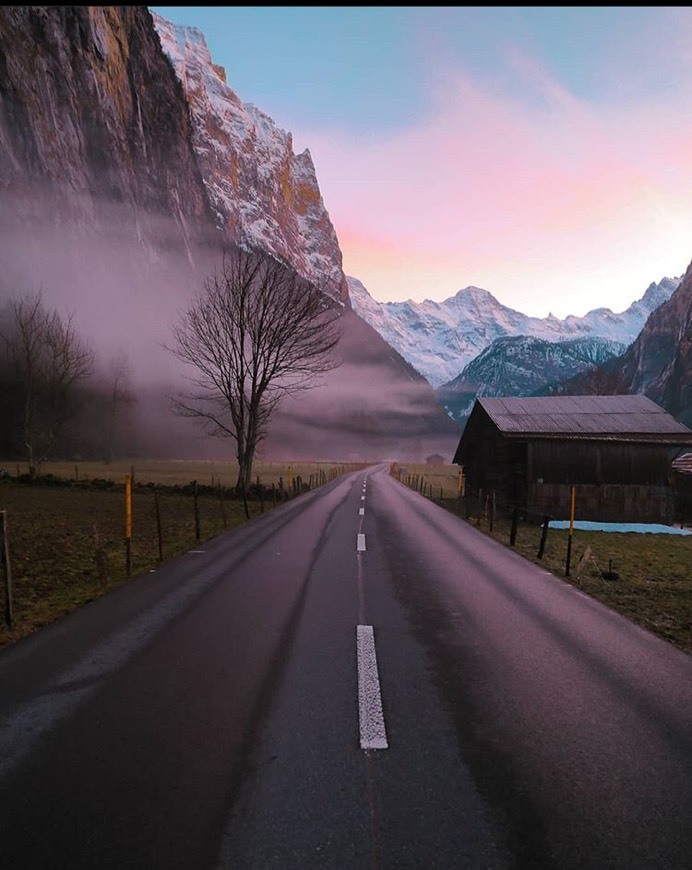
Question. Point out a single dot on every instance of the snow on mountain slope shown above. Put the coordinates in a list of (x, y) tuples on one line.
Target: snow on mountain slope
[(263, 194), (440, 338), (518, 365)]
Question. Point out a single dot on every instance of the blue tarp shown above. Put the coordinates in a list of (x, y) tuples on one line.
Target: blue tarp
[(650, 528)]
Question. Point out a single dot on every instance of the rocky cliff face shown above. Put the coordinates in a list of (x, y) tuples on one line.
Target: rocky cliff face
[(262, 193), (675, 386), (93, 131), (658, 363)]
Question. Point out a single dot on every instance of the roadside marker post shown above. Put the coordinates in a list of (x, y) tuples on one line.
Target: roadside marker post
[(128, 524)]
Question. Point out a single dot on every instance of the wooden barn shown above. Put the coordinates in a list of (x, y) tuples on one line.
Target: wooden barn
[(617, 451)]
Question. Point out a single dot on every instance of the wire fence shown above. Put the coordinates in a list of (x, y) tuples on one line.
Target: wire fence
[(510, 522), (66, 540)]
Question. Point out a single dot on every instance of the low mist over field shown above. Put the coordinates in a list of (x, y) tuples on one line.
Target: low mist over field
[(125, 298)]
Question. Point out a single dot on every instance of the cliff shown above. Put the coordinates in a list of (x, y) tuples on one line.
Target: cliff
[(658, 363), (94, 131), (262, 193)]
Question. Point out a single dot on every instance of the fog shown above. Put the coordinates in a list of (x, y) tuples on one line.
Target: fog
[(125, 286)]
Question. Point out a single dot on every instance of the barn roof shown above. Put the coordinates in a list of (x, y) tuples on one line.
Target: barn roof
[(633, 417)]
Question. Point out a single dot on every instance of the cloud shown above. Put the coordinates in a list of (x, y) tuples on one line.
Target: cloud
[(546, 200)]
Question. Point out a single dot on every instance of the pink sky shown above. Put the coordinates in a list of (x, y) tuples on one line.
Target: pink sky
[(550, 203), (541, 153)]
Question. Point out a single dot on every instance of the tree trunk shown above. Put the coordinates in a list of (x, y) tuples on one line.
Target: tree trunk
[(245, 469), (245, 459)]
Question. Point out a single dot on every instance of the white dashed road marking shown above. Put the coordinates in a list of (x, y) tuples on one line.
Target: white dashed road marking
[(370, 716), (360, 546)]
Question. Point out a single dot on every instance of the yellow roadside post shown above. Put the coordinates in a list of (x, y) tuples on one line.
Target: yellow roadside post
[(128, 524)]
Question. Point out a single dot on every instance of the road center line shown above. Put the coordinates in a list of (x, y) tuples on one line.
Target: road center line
[(361, 511), (370, 716), (360, 546)]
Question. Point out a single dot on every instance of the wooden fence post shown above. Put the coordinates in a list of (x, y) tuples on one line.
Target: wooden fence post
[(6, 568), (159, 529), (515, 522), (544, 538), (198, 533)]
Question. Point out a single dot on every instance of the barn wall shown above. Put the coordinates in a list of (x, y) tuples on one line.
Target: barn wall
[(601, 462), (487, 465), (614, 503)]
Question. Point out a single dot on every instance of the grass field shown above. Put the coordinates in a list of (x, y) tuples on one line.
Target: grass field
[(211, 472)]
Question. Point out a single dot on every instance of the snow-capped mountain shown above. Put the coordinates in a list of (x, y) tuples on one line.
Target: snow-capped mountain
[(262, 193), (518, 365), (440, 338)]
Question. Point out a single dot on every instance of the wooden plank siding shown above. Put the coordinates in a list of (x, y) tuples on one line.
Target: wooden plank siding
[(616, 462), (608, 502), (614, 482)]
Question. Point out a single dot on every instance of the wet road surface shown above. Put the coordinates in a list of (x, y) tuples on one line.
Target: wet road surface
[(356, 679)]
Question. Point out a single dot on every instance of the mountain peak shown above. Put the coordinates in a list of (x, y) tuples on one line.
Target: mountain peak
[(440, 339), (474, 294)]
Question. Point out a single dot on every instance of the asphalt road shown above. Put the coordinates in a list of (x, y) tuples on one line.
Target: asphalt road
[(356, 679)]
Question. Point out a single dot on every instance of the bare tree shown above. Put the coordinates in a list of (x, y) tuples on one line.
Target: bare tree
[(47, 358), (256, 333)]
